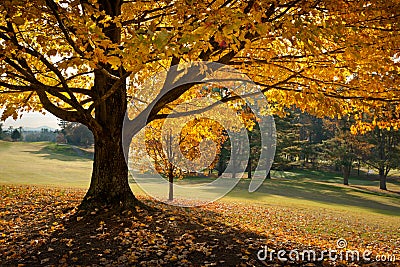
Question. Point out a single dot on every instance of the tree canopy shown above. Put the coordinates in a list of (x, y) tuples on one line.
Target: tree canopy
[(83, 60), (307, 53)]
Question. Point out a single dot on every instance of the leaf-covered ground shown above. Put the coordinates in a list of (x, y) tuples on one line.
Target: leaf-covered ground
[(39, 227)]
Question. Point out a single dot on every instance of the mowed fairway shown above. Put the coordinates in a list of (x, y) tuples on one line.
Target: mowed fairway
[(42, 164)]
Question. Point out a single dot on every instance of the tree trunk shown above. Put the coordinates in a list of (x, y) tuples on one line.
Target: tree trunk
[(249, 169), (109, 185), (171, 187), (382, 180), (268, 175), (346, 174)]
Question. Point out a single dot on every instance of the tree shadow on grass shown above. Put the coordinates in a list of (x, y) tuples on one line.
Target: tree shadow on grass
[(327, 193), (63, 153), (161, 236)]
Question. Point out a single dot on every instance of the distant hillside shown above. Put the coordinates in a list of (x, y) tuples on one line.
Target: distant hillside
[(37, 129)]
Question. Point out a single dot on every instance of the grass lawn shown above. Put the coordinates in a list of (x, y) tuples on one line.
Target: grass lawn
[(292, 210), (43, 164), (50, 164), (321, 189)]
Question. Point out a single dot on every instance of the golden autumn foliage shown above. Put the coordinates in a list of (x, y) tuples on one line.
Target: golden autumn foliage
[(85, 60), (327, 57), (197, 138), (198, 132)]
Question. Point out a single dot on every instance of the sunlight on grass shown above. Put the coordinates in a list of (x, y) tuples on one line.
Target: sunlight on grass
[(31, 163), (47, 164)]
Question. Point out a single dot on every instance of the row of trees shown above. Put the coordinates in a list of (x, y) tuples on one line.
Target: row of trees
[(307, 141), (71, 133), (44, 135), (303, 141), (18, 134), (10, 133)]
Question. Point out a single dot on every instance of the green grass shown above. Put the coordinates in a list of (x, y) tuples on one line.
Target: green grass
[(43, 164), (311, 189), (65, 152), (63, 166)]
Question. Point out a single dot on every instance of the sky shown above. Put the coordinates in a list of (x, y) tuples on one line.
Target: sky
[(32, 120)]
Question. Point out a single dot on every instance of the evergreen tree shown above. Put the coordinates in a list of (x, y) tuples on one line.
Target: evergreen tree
[(288, 142), (385, 152), (1, 131), (15, 135), (344, 148)]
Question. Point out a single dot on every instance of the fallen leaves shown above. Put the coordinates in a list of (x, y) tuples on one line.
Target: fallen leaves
[(28, 217), (38, 225)]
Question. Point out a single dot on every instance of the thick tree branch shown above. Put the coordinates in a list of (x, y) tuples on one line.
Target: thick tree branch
[(225, 99), (72, 116), (28, 73)]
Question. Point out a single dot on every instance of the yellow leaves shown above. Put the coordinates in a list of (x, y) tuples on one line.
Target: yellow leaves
[(98, 55), (34, 223), (10, 111), (223, 233), (173, 258), (104, 43), (114, 61), (263, 29), (161, 39), (326, 45)]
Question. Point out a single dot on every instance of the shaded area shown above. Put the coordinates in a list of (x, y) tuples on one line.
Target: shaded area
[(63, 152), (160, 236), (313, 186), (39, 227), (325, 188)]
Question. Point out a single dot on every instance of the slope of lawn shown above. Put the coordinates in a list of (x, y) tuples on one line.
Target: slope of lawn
[(321, 189), (66, 166), (41, 183), (44, 163)]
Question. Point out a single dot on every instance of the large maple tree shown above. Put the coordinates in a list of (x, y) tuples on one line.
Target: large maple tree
[(83, 60)]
